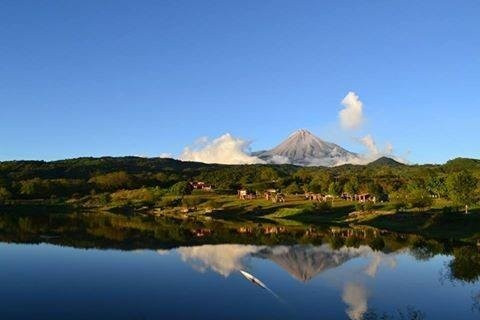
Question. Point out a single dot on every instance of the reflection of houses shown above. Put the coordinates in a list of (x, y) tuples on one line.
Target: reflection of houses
[(360, 232), (201, 232), (245, 194), (247, 230), (274, 230), (200, 185)]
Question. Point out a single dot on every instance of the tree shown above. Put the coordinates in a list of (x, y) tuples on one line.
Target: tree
[(334, 189), (461, 188), (268, 174), (376, 190), (293, 188), (351, 187), (420, 199), (181, 188), (4, 195), (399, 200), (320, 183), (33, 188), (161, 179), (112, 181), (436, 186)]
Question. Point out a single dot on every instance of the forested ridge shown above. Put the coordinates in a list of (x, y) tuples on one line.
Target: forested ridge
[(456, 180)]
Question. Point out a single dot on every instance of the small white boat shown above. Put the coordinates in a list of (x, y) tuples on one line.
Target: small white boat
[(253, 279)]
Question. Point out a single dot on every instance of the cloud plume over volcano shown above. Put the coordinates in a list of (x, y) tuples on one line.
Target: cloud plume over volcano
[(351, 116)]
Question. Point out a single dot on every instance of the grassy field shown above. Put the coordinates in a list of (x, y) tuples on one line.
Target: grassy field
[(434, 222)]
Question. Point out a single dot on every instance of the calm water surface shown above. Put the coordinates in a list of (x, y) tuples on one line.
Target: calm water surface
[(46, 281)]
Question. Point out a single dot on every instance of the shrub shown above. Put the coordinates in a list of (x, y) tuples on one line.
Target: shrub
[(192, 201), (168, 202), (318, 207), (104, 199), (399, 206), (359, 206), (449, 210), (366, 206), (212, 204), (420, 199), (142, 195)]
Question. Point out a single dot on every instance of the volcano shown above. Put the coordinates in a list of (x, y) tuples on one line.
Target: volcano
[(305, 149)]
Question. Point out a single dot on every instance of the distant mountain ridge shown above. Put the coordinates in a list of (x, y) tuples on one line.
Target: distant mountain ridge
[(305, 149), (385, 161)]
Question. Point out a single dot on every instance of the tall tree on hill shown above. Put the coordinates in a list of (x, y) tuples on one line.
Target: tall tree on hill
[(462, 188)]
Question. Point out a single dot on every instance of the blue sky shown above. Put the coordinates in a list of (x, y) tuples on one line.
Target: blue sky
[(92, 78)]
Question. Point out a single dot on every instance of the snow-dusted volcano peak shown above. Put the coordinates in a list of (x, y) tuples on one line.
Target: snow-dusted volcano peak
[(301, 132), (304, 148)]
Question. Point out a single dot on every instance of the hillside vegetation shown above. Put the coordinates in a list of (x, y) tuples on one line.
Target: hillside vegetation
[(163, 184)]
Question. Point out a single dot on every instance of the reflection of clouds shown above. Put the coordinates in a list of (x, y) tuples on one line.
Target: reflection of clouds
[(355, 296), (377, 259), (223, 259), (163, 252)]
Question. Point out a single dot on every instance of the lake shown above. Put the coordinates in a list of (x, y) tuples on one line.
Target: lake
[(46, 273)]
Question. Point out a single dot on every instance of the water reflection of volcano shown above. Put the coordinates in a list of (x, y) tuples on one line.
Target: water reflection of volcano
[(303, 262), (306, 262)]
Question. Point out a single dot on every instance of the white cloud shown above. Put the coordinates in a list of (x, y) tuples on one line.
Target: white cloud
[(351, 117), (370, 144), (225, 149), (375, 152), (165, 155), (372, 152), (277, 159), (355, 296)]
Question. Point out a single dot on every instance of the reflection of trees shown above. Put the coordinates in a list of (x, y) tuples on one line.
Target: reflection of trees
[(108, 230), (424, 250), (476, 302), (465, 265), (377, 243), (410, 313), (335, 241)]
